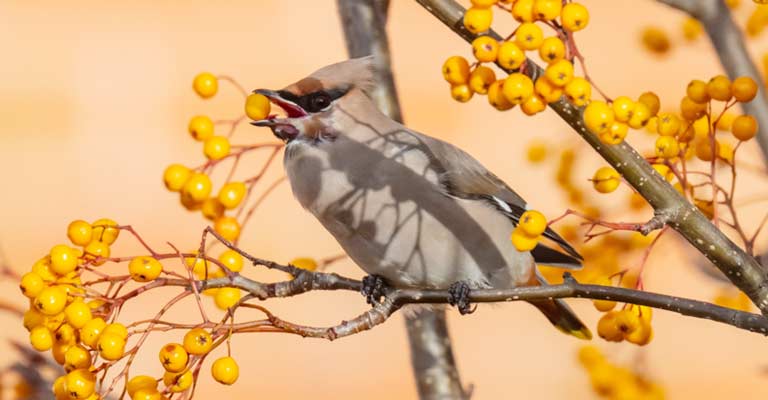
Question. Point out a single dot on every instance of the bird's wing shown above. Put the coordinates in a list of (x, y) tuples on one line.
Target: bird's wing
[(464, 177)]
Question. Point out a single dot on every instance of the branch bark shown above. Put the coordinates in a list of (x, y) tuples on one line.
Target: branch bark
[(669, 206), (434, 367), (728, 41)]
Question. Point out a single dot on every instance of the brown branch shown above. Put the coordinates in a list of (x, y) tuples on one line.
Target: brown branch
[(728, 41), (740, 268)]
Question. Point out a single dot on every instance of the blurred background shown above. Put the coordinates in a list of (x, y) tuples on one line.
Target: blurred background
[(95, 98)]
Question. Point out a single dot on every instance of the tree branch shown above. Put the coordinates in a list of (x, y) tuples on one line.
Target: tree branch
[(434, 367), (728, 41), (669, 206)]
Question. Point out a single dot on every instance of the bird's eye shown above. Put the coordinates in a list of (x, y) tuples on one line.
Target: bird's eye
[(318, 102)]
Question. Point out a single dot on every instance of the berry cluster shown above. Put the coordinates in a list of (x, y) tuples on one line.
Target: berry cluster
[(194, 185), (558, 51), (77, 322), (612, 381), (632, 323)]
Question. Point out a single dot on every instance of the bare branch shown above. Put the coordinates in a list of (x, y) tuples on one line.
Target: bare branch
[(740, 268), (728, 41)]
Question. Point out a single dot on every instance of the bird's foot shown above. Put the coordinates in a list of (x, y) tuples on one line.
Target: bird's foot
[(374, 288), (458, 295)]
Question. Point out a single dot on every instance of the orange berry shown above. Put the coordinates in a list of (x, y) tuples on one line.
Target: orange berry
[(719, 88), (744, 127), (697, 91), (744, 89)]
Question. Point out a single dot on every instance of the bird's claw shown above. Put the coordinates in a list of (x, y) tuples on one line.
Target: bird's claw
[(458, 295), (374, 288)]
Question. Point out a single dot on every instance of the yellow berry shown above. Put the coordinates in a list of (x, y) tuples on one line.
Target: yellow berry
[(483, 3), (549, 92), (627, 321), (43, 268), (111, 346), (144, 268), (456, 70), (691, 110), (623, 108), (146, 394), (651, 100), (615, 134), (178, 382), (667, 147), (90, 332), (173, 357), (78, 314), (725, 121), (65, 334), (574, 17), (41, 338), (655, 40), (461, 93), (668, 124), (517, 88), (117, 329), (589, 356), (744, 127), (598, 117), (51, 300), (257, 106), (697, 91), (485, 48), (522, 10), (692, 28), (198, 341), (523, 242), (496, 96), (744, 89), (510, 56), (226, 297), (227, 227), (59, 388), (608, 329), (63, 259), (529, 36), (212, 208), (606, 180), (225, 370), (547, 10), (197, 188), (642, 335), (534, 105), (175, 176), (79, 232), (305, 263), (232, 260), (533, 223), (719, 88), (80, 383), (640, 116), (664, 171), (76, 357), (552, 49), (604, 305), (105, 230), (205, 85), (478, 19), (216, 147), (97, 251), (578, 91), (200, 127), (481, 79), (140, 382), (231, 194), (31, 285), (33, 318), (537, 152)]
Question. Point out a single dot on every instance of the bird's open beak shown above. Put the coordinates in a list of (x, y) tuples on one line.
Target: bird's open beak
[(281, 127), (291, 109)]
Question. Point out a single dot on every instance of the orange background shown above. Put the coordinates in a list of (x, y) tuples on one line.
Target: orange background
[(94, 100)]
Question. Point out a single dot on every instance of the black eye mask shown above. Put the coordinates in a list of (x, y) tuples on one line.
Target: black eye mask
[(316, 101)]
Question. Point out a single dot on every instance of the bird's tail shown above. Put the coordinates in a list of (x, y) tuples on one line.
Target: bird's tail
[(561, 315)]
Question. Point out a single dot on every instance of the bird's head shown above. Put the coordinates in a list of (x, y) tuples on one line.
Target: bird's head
[(313, 104)]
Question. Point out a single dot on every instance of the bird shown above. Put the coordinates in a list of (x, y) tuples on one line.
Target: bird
[(411, 210)]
